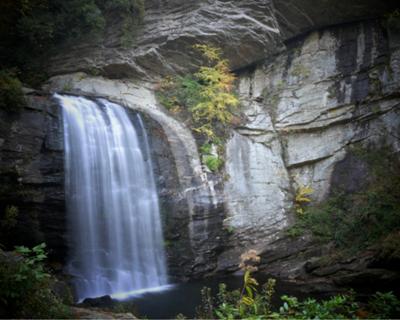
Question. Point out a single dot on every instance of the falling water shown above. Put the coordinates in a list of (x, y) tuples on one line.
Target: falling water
[(115, 228)]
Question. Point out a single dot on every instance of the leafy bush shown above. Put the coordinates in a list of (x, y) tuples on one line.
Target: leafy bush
[(216, 92), (235, 305), (214, 163), (11, 96), (384, 305), (129, 12), (205, 100), (249, 303), (177, 93), (337, 307), (206, 95), (25, 286)]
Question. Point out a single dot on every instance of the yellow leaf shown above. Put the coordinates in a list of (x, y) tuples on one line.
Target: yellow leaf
[(247, 301)]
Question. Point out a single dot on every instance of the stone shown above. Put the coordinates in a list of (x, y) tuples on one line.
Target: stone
[(89, 313), (306, 108), (32, 176), (164, 43), (100, 302), (314, 80)]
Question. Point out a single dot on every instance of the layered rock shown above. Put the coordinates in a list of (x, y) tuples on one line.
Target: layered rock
[(247, 31), (192, 208), (164, 43), (307, 99), (32, 175), (331, 91)]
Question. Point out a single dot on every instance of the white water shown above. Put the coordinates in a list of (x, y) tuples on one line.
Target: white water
[(115, 229)]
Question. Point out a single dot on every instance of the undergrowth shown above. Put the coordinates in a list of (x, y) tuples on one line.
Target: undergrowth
[(354, 221), (25, 286), (11, 94), (204, 101), (252, 303)]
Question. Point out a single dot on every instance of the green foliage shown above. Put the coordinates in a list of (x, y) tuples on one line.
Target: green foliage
[(384, 305), (229, 229), (218, 100), (32, 264), (354, 221), (214, 163), (177, 93), (206, 309), (30, 28), (390, 247), (206, 100), (25, 287), (250, 303), (206, 149), (129, 12), (206, 96), (231, 305), (11, 96), (10, 217), (337, 307)]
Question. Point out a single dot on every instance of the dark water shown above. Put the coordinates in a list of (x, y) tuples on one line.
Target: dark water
[(185, 297)]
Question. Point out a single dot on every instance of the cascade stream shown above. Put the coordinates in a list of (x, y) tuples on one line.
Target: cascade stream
[(116, 241)]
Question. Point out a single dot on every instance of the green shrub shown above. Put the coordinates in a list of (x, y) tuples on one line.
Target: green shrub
[(206, 149), (205, 101), (354, 221), (11, 95), (384, 305), (229, 305), (205, 96), (390, 247), (25, 286), (214, 163), (177, 93), (129, 12), (336, 307), (250, 303)]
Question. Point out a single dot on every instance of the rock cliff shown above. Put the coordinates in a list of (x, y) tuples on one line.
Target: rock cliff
[(314, 81)]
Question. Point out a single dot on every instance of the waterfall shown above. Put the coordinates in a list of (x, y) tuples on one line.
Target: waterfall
[(116, 242)]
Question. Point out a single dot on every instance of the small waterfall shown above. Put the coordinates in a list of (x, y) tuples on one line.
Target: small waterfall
[(115, 229)]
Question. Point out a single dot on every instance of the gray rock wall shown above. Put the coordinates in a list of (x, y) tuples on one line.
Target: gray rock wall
[(32, 176), (330, 91), (247, 30), (307, 99)]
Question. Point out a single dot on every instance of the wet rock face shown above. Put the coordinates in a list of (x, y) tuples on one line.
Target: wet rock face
[(307, 99), (298, 17), (248, 31), (173, 207), (32, 180), (164, 43), (191, 240), (306, 109), (32, 176)]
